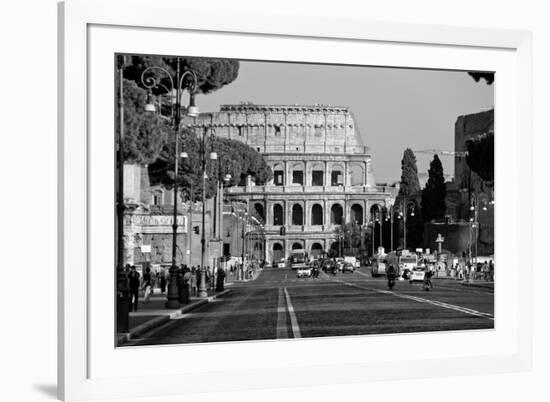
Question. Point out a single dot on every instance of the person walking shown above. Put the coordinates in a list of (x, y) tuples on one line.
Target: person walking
[(147, 285), (133, 279), (162, 282), (193, 282), (220, 280), (183, 291)]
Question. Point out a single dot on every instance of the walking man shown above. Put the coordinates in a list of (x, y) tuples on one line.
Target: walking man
[(133, 279), (147, 285)]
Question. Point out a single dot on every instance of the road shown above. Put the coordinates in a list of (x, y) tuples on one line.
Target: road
[(279, 305)]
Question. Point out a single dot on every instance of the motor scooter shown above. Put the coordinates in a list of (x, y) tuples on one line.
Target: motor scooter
[(391, 281)]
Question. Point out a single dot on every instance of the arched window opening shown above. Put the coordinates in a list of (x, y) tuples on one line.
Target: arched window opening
[(317, 215), (259, 211), (297, 215), (278, 215), (336, 214), (357, 214)]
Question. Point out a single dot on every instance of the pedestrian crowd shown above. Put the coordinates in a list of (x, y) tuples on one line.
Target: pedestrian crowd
[(467, 270), (188, 282)]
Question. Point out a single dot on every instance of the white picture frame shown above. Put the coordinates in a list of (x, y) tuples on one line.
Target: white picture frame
[(84, 361)]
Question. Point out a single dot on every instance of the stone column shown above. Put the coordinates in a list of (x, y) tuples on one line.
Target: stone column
[(269, 213), (288, 212), (286, 132), (307, 213), (327, 175), (307, 176), (286, 180)]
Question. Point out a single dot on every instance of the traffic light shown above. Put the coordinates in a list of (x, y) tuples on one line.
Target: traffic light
[(282, 231), (196, 229)]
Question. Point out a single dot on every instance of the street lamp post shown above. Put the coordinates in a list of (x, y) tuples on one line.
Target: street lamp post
[(213, 156), (243, 238), (404, 213), (390, 218), (123, 299), (187, 80)]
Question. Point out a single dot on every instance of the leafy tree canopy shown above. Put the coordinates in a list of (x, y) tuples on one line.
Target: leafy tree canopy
[(433, 195), (488, 77), (481, 156), (234, 158), (212, 74), (144, 133)]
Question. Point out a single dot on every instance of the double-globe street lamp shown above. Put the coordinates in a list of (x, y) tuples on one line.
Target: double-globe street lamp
[(408, 207), (475, 202), (377, 217), (203, 292), (175, 87)]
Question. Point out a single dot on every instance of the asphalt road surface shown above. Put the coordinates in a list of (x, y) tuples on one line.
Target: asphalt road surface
[(278, 305)]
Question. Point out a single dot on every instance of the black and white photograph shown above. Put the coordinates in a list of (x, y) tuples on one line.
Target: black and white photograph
[(273, 200)]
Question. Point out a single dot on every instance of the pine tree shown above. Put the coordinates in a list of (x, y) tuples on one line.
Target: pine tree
[(433, 195)]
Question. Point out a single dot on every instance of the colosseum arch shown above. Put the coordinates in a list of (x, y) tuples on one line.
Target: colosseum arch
[(357, 214), (297, 173), (277, 251), (297, 245), (278, 215), (357, 173), (316, 214), (336, 214), (278, 174), (259, 211), (297, 215), (316, 249), (337, 175), (318, 175)]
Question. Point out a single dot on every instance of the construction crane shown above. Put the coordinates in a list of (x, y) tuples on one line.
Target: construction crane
[(441, 152)]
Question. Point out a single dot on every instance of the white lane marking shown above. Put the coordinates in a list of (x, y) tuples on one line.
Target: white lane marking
[(293, 320), (454, 307), (282, 331)]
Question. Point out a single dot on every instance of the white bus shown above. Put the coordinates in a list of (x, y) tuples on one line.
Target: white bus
[(298, 259)]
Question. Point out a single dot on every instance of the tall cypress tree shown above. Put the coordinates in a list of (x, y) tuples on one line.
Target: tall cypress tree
[(433, 195), (409, 191), (409, 175)]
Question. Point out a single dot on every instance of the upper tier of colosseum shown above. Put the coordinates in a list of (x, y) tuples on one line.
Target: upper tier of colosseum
[(287, 128)]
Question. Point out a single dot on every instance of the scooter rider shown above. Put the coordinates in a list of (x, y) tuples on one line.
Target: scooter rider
[(391, 276), (428, 279)]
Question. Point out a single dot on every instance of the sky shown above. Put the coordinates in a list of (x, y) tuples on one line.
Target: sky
[(394, 108)]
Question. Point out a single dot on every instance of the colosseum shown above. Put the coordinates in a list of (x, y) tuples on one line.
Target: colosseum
[(322, 172)]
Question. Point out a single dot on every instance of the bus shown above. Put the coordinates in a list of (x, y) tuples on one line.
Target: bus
[(403, 263), (298, 259)]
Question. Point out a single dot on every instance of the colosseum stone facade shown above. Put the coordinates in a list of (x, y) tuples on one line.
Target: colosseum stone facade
[(323, 175)]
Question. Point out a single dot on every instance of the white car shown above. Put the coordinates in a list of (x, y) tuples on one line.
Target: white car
[(303, 272), (417, 274)]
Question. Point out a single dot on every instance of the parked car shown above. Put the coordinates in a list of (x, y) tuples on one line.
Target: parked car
[(303, 272), (348, 267), (282, 263)]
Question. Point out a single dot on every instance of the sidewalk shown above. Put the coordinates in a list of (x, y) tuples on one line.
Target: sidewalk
[(479, 284), (153, 314), (234, 277)]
